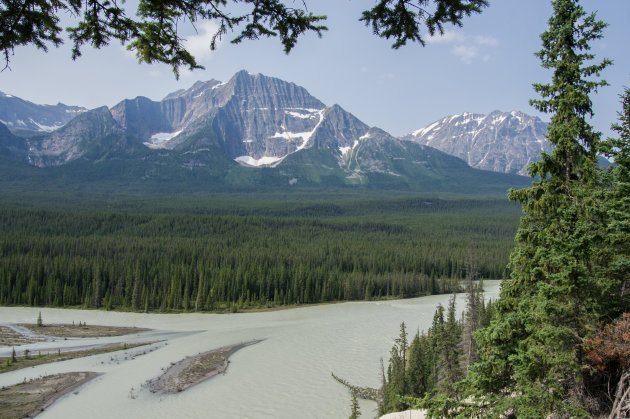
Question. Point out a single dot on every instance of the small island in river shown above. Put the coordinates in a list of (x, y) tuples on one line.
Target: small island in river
[(195, 369)]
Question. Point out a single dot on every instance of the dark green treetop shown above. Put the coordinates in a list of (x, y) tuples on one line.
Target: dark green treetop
[(614, 254), (153, 34), (531, 357)]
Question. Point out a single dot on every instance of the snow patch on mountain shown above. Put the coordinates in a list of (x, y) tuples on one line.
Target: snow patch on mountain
[(304, 136), (294, 114), (500, 141), (425, 130), (42, 127), (158, 140), (263, 161)]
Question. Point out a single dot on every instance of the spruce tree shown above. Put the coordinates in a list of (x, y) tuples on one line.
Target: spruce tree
[(448, 343), (416, 369), (531, 358), (614, 253), (472, 314), (354, 406), (396, 378)]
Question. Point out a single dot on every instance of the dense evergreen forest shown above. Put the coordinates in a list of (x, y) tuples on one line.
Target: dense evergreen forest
[(247, 254), (556, 344), (431, 365)]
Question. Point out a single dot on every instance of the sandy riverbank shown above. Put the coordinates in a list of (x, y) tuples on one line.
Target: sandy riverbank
[(23, 334), (49, 356), (193, 370), (82, 330), (28, 399)]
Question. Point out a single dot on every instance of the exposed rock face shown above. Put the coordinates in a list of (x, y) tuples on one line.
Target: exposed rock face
[(338, 129), (76, 138), (265, 117), (254, 119), (262, 121), (141, 117), (501, 141), (12, 146), (24, 117)]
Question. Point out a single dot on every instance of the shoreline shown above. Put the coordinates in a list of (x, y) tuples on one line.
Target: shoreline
[(18, 334), (29, 399), (227, 310), (50, 356), (195, 369)]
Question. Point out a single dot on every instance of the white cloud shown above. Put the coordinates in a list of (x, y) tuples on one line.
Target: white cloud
[(486, 40), (466, 53), (199, 44), (466, 47), (447, 38)]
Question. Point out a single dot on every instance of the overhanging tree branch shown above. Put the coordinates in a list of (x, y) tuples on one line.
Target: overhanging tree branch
[(153, 33)]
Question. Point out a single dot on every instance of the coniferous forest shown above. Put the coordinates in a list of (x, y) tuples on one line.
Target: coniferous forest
[(556, 344), (263, 256)]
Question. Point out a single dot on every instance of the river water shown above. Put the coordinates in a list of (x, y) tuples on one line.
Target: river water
[(287, 375)]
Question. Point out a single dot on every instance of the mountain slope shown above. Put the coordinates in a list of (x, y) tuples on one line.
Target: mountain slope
[(252, 132), (501, 141), (12, 146), (82, 135), (26, 118)]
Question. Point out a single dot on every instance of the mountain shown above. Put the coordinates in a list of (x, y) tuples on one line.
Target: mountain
[(26, 118), (501, 141), (11, 145), (250, 132)]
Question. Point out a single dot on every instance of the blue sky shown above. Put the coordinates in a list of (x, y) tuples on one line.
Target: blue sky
[(488, 64)]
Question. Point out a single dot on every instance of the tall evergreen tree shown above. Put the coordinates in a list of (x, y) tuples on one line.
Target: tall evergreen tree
[(448, 343), (472, 313), (396, 377), (531, 358), (416, 366), (615, 251)]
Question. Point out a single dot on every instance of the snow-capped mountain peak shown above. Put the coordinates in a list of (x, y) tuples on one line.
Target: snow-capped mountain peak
[(500, 141)]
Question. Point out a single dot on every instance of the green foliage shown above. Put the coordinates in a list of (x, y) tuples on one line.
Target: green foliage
[(354, 406), (265, 254), (155, 36), (396, 376), (427, 373), (403, 19), (33, 22), (531, 357), (614, 254)]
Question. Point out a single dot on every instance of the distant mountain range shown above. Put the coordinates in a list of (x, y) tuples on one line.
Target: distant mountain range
[(249, 132), (26, 118), (501, 141)]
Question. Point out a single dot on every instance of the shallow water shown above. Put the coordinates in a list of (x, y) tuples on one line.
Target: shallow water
[(287, 375)]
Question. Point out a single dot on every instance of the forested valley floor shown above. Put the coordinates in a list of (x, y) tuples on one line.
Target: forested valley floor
[(228, 255)]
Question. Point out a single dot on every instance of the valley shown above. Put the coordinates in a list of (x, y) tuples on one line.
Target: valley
[(232, 255), (285, 375)]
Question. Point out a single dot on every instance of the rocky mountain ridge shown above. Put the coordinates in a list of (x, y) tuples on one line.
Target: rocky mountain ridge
[(26, 118), (216, 130), (500, 141)]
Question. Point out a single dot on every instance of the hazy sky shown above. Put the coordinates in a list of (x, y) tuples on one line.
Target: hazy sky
[(488, 64)]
